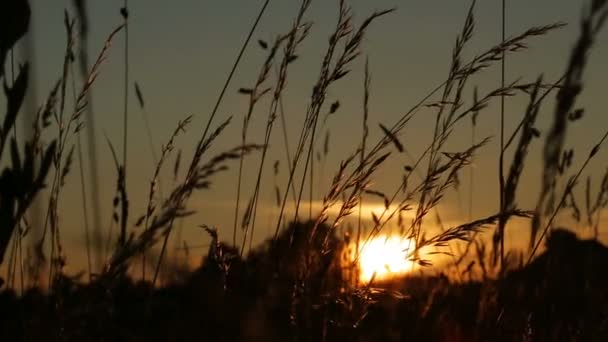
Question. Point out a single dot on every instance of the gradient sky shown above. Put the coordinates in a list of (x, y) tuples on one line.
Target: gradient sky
[(181, 52)]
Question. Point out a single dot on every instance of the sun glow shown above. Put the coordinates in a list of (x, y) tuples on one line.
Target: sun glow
[(385, 257)]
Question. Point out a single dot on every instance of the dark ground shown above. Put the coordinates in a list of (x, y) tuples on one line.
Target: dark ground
[(561, 296)]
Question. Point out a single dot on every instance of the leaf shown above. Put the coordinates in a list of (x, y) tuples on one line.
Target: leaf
[(14, 98), (535, 132), (178, 159), (291, 59), (15, 156), (140, 220), (124, 12), (28, 164), (277, 193), (340, 74), (380, 195), (376, 219), (140, 97), (476, 108), (392, 137), (7, 209), (210, 230), (247, 214), (424, 263), (14, 23), (46, 164), (67, 166), (334, 107), (114, 156), (576, 115), (263, 44), (326, 144), (594, 151)]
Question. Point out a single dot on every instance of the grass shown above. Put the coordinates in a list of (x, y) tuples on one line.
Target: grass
[(302, 283)]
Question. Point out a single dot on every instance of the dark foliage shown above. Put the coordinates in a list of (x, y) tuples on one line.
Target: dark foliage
[(14, 23), (560, 296), (21, 181)]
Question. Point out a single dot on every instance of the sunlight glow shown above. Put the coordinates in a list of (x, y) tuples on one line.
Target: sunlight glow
[(385, 257)]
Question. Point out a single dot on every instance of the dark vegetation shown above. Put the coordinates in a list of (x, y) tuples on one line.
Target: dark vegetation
[(302, 284), (559, 296)]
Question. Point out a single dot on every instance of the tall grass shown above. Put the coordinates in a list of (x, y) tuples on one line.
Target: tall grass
[(348, 188), (300, 265), (203, 140)]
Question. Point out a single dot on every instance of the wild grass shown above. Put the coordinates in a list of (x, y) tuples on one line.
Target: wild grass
[(302, 283)]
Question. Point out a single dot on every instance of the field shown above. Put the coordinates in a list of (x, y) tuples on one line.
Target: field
[(344, 257)]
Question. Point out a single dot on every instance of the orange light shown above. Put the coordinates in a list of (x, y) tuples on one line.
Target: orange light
[(385, 257)]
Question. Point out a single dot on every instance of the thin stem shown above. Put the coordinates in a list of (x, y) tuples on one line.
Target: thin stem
[(13, 83), (312, 177), (124, 203), (233, 71), (597, 223), (12, 264), (538, 102), (502, 137), (306, 164), (471, 200), (238, 195), (13, 66), (146, 119), (471, 177), (126, 93), (83, 191), (210, 121), (256, 191), (289, 52), (567, 191), (92, 153), (364, 134), (285, 138), (20, 252)]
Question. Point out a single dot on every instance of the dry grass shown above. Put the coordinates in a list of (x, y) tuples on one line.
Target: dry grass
[(297, 283)]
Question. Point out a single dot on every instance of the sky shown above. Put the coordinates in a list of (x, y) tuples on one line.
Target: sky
[(181, 52)]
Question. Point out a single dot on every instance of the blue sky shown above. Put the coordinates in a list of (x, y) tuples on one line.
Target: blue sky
[(181, 52)]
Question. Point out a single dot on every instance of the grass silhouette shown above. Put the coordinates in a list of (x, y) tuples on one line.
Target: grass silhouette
[(302, 283)]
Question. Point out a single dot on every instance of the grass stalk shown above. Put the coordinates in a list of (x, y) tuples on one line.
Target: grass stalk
[(125, 144), (572, 182), (83, 189), (364, 135), (213, 114), (501, 176)]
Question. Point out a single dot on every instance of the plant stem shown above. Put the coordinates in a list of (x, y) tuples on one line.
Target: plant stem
[(502, 138), (211, 117)]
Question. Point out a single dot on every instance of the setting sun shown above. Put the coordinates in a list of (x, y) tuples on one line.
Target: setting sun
[(385, 257)]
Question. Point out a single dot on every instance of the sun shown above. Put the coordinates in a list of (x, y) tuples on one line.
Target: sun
[(384, 257)]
